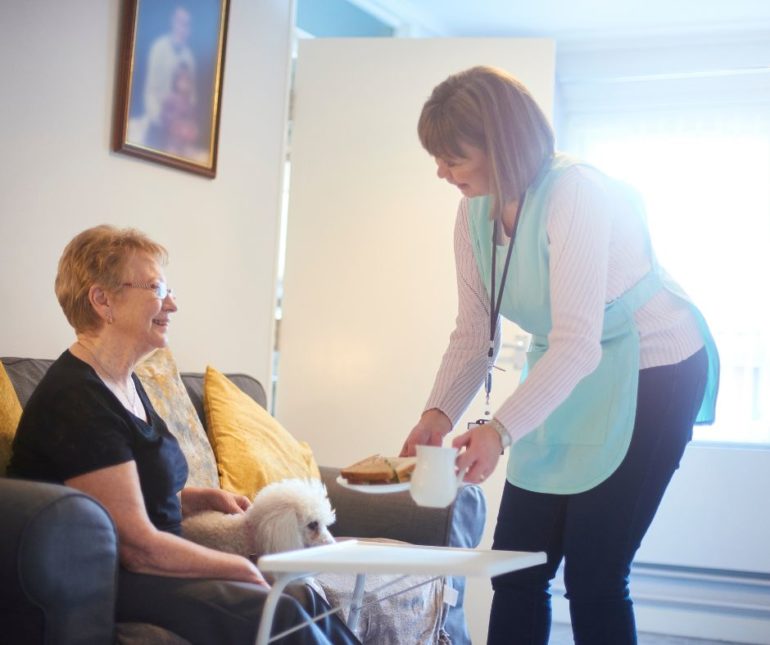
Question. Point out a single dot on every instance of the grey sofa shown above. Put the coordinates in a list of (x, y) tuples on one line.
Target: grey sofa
[(58, 547)]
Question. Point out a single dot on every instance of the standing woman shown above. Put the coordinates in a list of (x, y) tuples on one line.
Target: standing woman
[(620, 366)]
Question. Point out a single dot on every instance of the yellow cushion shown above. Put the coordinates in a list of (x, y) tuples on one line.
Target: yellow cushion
[(10, 413), (161, 380), (251, 447)]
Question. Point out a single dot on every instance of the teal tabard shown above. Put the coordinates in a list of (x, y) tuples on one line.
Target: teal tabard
[(585, 438)]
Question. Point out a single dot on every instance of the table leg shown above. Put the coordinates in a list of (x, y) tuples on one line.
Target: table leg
[(268, 612), (356, 602)]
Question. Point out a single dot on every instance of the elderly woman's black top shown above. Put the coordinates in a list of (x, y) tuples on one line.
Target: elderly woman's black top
[(73, 424)]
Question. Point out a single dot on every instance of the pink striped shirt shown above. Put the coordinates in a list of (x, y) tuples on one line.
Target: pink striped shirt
[(597, 252)]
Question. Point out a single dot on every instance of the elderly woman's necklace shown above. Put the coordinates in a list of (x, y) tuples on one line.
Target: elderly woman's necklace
[(131, 400)]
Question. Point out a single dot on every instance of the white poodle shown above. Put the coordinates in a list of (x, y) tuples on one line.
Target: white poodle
[(285, 515)]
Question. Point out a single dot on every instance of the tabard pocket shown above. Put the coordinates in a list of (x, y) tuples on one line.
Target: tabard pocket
[(589, 412)]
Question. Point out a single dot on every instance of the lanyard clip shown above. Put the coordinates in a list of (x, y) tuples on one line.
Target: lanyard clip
[(487, 390)]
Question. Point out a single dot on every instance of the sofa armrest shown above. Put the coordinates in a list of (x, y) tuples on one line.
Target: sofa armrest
[(58, 564), (397, 517)]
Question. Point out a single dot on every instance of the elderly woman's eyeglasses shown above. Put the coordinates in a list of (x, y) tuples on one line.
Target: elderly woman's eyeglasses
[(160, 288)]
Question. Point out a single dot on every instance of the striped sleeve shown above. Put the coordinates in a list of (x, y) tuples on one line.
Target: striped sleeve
[(579, 224)]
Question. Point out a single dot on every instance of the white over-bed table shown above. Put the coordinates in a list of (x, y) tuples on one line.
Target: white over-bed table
[(362, 558)]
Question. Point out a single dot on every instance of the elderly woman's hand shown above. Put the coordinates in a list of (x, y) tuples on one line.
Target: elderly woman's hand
[(195, 500)]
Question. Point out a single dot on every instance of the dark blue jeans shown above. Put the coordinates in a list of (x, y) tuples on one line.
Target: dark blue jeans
[(596, 532)]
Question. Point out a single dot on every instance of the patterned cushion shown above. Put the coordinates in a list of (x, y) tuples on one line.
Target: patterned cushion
[(252, 449), (161, 380), (10, 413)]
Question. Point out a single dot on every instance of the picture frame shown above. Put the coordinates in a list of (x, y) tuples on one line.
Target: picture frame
[(169, 83)]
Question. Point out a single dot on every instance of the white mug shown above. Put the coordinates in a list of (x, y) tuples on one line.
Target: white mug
[(435, 480)]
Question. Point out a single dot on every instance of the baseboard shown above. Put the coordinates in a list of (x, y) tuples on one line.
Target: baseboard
[(731, 606)]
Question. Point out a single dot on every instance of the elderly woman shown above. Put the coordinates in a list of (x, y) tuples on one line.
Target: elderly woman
[(90, 425)]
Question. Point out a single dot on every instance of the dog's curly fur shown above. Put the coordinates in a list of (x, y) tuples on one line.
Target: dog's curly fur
[(285, 515)]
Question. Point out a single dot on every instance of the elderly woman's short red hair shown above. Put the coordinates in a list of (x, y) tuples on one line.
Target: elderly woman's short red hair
[(97, 256)]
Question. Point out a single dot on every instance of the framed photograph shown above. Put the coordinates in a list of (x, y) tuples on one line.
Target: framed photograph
[(170, 82)]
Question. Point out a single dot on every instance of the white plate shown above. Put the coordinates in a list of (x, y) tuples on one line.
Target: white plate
[(375, 489)]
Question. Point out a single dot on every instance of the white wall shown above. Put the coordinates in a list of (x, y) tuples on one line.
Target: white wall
[(58, 176)]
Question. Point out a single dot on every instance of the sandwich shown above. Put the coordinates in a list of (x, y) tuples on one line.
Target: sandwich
[(377, 469)]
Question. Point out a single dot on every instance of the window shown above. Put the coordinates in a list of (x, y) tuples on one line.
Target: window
[(705, 176)]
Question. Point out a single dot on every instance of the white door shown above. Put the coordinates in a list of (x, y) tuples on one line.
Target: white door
[(370, 295)]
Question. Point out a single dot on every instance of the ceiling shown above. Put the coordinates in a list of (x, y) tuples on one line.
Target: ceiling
[(578, 20)]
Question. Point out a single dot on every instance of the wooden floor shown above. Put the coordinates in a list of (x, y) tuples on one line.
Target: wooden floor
[(561, 634)]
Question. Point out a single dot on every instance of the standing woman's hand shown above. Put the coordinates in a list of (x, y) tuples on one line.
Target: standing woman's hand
[(482, 452), (430, 431)]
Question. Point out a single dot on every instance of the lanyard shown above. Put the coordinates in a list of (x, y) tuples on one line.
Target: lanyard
[(496, 299)]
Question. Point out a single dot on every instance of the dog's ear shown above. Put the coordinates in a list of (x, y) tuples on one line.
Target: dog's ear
[(328, 514), (277, 532)]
